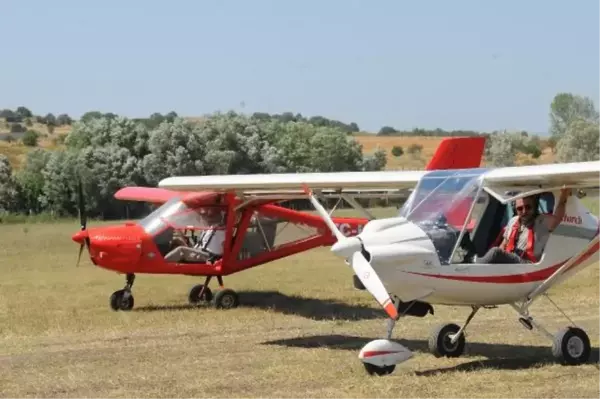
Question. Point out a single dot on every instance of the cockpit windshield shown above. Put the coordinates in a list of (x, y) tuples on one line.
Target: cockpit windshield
[(177, 215), (441, 204), (445, 194)]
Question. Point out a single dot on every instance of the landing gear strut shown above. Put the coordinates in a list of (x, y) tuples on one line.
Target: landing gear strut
[(570, 346), (123, 299), (448, 340), (225, 298)]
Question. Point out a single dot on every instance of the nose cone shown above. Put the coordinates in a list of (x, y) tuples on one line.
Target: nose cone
[(80, 236), (346, 247)]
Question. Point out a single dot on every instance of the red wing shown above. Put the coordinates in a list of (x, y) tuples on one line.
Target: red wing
[(458, 153), (146, 194)]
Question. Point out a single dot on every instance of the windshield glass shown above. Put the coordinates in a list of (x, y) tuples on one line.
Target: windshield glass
[(446, 195), (440, 205), (175, 214)]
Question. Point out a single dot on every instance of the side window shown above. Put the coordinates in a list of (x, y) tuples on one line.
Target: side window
[(546, 203)]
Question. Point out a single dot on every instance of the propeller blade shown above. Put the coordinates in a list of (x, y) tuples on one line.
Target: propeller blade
[(362, 267), (81, 200), (367, 275), (80, 252)]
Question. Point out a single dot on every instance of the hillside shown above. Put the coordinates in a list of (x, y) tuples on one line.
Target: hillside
[(16, 151), (429, 145)]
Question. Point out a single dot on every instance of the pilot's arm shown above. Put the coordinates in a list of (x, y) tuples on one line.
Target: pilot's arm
[(559, 213)]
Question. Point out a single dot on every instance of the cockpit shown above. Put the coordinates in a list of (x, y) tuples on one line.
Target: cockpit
[(176, 219), (447, 206)]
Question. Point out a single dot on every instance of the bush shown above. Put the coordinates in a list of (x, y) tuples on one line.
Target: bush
[(415, 148), (397, 151), (17, 128), (30, 138)]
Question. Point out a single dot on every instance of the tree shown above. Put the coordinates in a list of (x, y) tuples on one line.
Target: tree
[(24, 112), (8, 188), (100, 132), (386, 131), (50, 119), (31, 181), (64, 119), (566, 108), (500, 150), (375, 162), (579, 143)]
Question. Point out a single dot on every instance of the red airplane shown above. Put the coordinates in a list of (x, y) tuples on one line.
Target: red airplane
[(167, 240)]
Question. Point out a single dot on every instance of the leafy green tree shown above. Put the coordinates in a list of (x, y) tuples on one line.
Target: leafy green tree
[(567, 108), (579, 142)]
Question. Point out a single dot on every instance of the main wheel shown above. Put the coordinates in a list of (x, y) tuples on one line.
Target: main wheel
[(571, 346), (440, 344), (379, 370), (226, 299), (120, 301), (194, 295)]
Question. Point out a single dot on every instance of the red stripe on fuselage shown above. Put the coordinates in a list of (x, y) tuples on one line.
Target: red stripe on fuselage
[(538, 275)]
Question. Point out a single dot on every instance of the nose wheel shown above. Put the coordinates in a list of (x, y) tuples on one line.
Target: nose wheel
[(123, 299)]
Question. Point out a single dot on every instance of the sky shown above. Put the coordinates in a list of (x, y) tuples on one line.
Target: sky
[(460, 64)]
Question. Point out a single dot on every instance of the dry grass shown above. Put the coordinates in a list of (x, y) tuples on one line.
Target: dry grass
[(297, 334), (430, 144), (17, 152)]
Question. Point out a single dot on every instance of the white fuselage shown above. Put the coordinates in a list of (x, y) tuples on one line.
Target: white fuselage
[(407, 263)]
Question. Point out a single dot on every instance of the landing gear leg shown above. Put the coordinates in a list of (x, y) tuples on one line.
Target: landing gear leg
[(570, 346), (448, 339), (123, 299), (224, 298), (200, 293)]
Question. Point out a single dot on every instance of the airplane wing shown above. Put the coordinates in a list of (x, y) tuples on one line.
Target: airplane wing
[(146, 194), (281, 184), (575, 174)]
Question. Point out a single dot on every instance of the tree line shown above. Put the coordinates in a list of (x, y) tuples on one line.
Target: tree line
[(107, 152)]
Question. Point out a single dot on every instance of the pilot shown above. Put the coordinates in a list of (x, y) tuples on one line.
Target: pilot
[(526, 234), (209, 245)]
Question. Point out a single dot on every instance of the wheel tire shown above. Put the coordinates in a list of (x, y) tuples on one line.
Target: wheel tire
[(571, 346), (439, 341), (226, 299), (118, 302), (194, 295), (379, 370)]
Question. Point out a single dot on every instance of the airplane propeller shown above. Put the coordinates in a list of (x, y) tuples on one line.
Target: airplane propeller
[(83, 221), (361, 266)]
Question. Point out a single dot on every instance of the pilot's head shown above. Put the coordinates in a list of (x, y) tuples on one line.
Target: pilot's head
[(212, 214), (526, 209)]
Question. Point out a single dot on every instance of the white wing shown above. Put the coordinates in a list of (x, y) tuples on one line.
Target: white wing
[(576, 174), (292, 183)]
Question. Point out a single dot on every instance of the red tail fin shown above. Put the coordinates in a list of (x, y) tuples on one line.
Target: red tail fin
[(458, 153)]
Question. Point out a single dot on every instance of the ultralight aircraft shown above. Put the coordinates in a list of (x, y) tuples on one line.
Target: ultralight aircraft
[(254, 229), (419, 259)]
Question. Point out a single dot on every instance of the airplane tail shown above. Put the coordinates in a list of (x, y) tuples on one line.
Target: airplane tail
[(458, 153)]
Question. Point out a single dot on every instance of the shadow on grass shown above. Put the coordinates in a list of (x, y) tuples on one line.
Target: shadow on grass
[(499, 356), (311, 308)]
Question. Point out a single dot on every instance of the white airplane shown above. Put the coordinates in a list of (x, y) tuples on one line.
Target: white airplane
[(418, 259)]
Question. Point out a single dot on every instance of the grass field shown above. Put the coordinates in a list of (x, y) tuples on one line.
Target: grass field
[(297, 334)]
